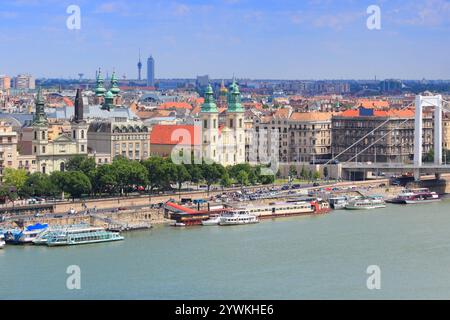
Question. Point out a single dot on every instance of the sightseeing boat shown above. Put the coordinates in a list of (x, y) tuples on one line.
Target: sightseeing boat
[(414, 196), (42, 237), (237, 217), (26, 235), (212, 221), (82, 236), (366, 203), (338, 203)]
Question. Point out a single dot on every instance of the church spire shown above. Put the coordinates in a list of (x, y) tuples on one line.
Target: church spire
[(39, 116), (78, 118), (209, 105), (99, 88), (234, 99), (115, 90)]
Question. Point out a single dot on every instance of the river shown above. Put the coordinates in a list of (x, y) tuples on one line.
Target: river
[(314, 257)]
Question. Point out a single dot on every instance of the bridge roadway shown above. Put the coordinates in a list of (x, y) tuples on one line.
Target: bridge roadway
[(425, 168)]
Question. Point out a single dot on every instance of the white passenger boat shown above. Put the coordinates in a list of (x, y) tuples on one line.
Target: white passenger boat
[(414, 196), (365, 204), (28, 234), (2, 240), (82, 236), (212, 221), (42, 237), (237, 217), (338, 203)]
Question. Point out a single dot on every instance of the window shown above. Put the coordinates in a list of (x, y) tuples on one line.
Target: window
[(205, 124), (231, 123), (240, 123), (214, 124), (82, 148), (82, 134), (43, 149), (62, 167), (43, 134), (35, 135)]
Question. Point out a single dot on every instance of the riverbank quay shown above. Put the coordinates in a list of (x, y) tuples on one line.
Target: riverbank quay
[(132, 212)]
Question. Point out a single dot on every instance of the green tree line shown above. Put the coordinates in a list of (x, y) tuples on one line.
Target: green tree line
[(83, 177)]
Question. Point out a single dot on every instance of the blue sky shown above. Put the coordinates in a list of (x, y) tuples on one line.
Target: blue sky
[(276, 39)]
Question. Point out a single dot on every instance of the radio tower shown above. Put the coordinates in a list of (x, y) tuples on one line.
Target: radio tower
[(139, 65)]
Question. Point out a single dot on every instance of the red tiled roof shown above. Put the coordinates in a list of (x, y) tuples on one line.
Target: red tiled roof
[(407, 113), (175, 134), (176, 105)]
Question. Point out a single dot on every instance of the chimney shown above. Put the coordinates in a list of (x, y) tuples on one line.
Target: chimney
[(79, 107)]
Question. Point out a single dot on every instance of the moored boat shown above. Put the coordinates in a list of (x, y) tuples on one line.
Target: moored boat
[(338, 203), (2, 241), (82, 236), (41, 238), (212, 221), (26, 235), (237, 217), (365, 204), (415, 196)]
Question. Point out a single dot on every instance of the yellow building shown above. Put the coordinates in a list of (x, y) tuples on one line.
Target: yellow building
[(52, 154)]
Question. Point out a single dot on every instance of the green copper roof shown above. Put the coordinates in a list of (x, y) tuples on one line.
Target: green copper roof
[(114, 86), (234, 99), (99, 89), (109, 95), (209, 105), (40, 117)]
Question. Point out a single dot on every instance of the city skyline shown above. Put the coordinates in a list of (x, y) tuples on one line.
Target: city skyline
[(318, 39)]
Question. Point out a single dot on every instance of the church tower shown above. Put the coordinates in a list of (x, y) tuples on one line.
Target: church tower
[(115, 90), (235, 123), (40, 132), (209, 116), (99, 88), (79, 125), (223, 92)]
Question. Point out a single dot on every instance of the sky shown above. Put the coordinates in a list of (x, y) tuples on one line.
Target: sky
[(256, 39)]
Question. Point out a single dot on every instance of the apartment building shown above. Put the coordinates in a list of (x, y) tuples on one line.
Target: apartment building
[(392, 142)]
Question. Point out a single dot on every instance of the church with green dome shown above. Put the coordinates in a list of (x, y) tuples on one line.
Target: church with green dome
[(223, 138), (108, 99)]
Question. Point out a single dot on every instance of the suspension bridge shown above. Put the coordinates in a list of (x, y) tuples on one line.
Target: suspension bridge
[(418, 167)]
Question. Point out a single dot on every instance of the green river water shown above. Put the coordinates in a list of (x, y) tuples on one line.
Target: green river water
[(315, 257)]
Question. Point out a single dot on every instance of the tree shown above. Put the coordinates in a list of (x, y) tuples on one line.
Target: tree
[(129, 173), (105, 179), (242, 178), (76, 183), (8, 193), (316, 175), (157, 176), (15, 177), (225, 181), (304, 173), (212, 173), (181, 175), (292, 171), (429, 157), (39, 184), (195, 172)]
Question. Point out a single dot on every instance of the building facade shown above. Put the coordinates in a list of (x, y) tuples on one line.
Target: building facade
[(224, 144), (392, 142), (52, 154), (128, 139)]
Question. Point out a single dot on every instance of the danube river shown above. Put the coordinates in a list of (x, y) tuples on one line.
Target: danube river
[(321, 257)]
